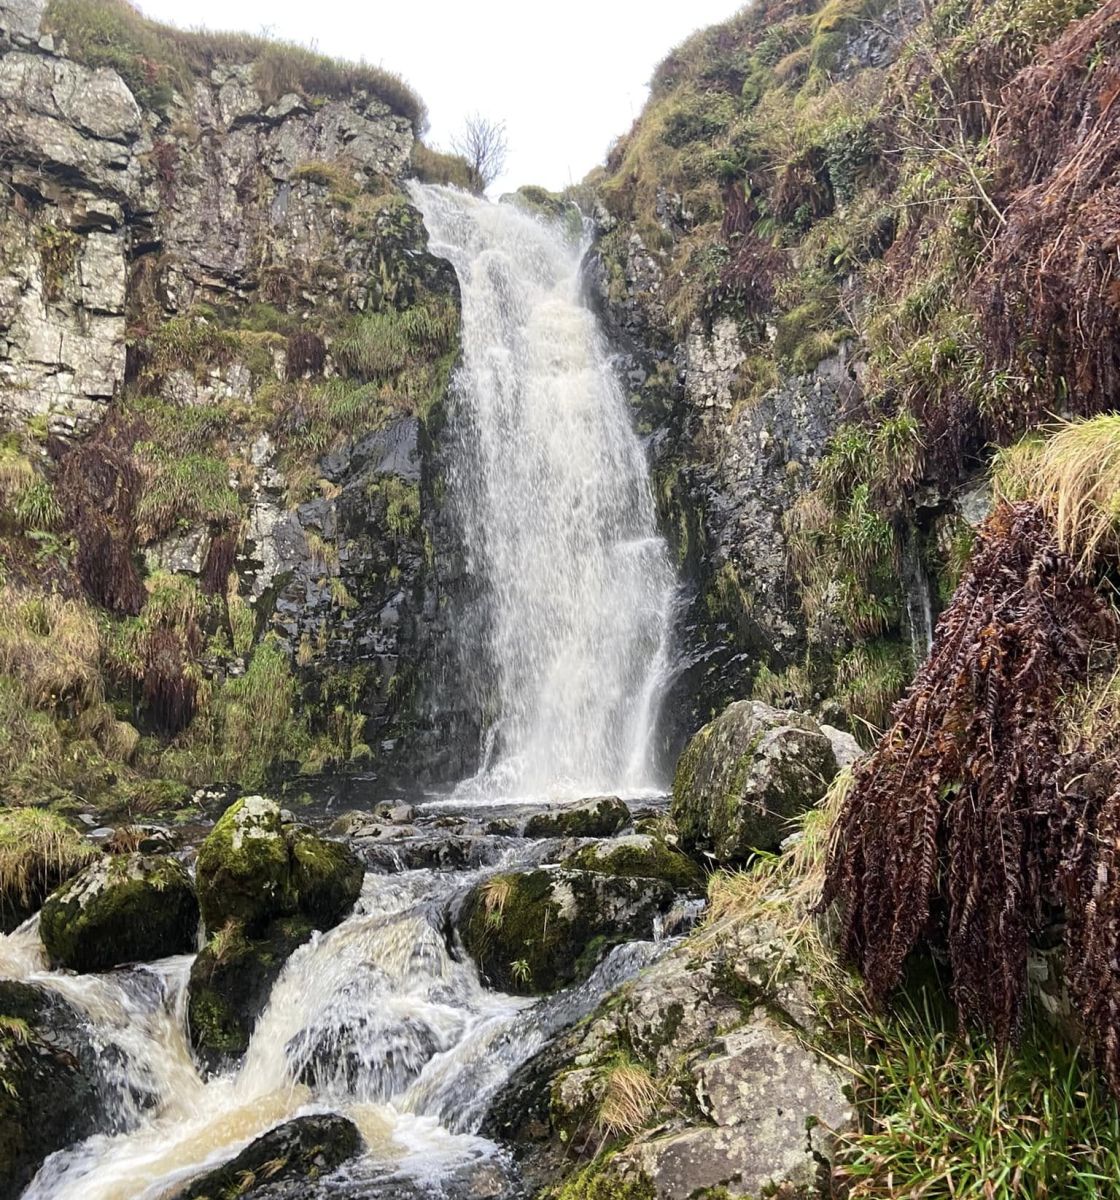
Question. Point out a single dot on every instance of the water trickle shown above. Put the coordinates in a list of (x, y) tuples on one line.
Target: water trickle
[(550, 487)]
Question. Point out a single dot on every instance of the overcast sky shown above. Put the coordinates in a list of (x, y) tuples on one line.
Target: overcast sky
[(566, 77)]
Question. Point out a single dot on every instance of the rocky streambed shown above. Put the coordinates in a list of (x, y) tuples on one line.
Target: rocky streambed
[(416, 1000)]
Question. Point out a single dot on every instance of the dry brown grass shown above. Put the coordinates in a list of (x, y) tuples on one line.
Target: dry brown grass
[(631, 1097), (52, 646)]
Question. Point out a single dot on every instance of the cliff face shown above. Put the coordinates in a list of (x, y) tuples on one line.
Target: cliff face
[(809, 259), (223, 354)]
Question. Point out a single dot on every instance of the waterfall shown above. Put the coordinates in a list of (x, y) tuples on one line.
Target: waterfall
[(549, 487)]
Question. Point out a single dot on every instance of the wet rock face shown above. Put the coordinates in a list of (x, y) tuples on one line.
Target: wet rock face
[(48, 1081), (745, 775), (121, 909), (540, 930), (298, 1151)]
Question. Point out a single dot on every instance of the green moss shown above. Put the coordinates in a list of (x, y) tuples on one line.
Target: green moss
[(601, 818), (599, 1182), (327, 877), (130, 908), (641, 857)]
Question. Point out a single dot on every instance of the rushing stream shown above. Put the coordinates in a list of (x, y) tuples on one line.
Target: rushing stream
[(382, 1018)]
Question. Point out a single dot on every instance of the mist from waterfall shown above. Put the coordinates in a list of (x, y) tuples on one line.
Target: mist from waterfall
[(568, 647)]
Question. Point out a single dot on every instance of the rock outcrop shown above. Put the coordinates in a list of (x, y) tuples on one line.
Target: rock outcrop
[(745, 776)]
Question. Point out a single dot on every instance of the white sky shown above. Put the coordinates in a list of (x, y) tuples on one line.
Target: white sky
[(567, 77)]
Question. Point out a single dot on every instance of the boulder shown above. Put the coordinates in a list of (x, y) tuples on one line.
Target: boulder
[(775, 1107), (121, 909), (254, 868), (744, 777), (244, 870), (297, 1151), (601, 816), (540, 930), (230, 983), (640, 856), (38, 852), (48, 1081)]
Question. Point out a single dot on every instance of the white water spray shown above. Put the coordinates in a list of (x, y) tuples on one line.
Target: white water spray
[(550, 486)]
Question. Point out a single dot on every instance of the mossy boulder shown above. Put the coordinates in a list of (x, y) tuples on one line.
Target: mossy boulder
[(244, 869), (305, 1149), (601, 816), (640, 856), (540, 930), (38, 852), (122, 908), (744, 777), (254, 868), (327, 877), (231, 980), (48, 1081)]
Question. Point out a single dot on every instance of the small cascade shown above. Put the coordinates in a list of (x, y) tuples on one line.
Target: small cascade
[(550, 488)]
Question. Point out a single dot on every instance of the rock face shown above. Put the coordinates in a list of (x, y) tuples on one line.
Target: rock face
[(745, 775), (264, 886), (121, 909), (601, 816), (739, 1100), (297, 1151), (540, 930), (49, 1081)]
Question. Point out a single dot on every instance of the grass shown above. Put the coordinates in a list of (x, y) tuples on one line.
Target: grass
[(154, 60), (381, 344), (51, 647), (630, 1099), (38, 851), (434, 166), (871, 677), (1075, 475), (181, 491)]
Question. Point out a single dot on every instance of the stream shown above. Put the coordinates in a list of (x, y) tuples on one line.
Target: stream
[(383, 1018)]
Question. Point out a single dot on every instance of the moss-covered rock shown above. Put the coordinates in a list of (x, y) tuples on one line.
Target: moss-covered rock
[(640, 856), (327, 877), (244, 870), (38, 852), (48, 1081), (541, 930), (601, 816), (230, 983), (304, 1149), (123, 908), (254, 869), (743, 778)]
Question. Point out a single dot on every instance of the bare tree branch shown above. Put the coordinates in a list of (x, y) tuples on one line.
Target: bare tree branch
[(484, 145)]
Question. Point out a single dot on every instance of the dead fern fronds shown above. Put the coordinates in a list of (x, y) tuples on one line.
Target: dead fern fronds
[(953, 827)]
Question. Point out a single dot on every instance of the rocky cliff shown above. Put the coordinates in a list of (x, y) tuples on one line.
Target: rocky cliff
[(223, 354)]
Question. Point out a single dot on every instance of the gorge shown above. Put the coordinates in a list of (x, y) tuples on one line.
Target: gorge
[(608, 695)]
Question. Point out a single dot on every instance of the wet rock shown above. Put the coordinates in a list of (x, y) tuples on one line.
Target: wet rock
[(640, 856), (327, 877), (600, 816), (40, 852), (776, 1109), (121, 909), (231, 980), (254, 868), (744, 777), (541, 930), (48, 1081), (301, 1150)]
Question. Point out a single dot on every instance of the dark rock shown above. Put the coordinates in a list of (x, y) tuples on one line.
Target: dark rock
[(745, 776), (48, 1081), (301, 1150), (600, 816), (541, 930), (230, 983), (327, 877), (121, 909)]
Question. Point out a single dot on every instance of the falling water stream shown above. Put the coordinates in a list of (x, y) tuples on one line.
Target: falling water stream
[(382, 1019)]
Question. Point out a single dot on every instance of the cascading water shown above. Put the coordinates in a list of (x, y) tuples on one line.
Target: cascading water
[(380, 1019), (550, 488)]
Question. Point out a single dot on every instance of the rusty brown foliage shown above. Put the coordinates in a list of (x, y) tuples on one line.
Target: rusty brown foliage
[(956, 827), (219, 562), (306, 354), (98, 486), (1053, 278), (170, 685)]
